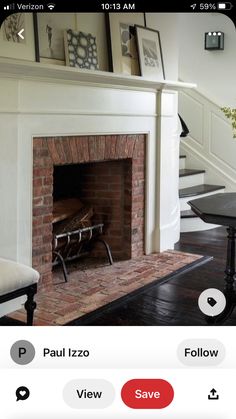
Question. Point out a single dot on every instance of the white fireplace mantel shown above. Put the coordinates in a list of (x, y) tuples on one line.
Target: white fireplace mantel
[(55, 73), (46, 100)]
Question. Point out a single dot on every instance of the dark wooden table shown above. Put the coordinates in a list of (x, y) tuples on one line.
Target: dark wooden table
[(221, 209)]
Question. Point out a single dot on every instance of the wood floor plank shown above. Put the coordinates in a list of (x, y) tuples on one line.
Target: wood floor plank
[(175, 302)]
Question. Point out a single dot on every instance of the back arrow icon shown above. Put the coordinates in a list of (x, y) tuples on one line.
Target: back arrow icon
[(20, 34)]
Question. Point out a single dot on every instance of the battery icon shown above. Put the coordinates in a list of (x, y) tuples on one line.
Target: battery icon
[(224, 6)]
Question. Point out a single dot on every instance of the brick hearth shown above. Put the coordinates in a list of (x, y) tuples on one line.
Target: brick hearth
[(49, 152), (91, 288)]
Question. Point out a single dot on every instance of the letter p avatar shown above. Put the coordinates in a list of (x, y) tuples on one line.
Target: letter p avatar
[(22, 352)]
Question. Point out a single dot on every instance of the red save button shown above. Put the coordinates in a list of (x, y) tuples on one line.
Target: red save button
[(147, 393)]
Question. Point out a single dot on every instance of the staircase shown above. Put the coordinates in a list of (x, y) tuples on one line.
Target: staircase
[(192, 186)]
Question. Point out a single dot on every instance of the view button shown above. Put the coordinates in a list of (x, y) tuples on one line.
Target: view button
[(89, 393)]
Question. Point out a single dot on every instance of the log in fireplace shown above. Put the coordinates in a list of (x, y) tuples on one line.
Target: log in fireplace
[(74, 233)]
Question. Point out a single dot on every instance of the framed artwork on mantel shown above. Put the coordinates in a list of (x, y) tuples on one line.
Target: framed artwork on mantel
[(150, 53), (122, 42), (50, 29), (11, 44), (81, 50)]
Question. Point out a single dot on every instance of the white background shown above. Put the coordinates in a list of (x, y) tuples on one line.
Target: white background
[(117, 355)]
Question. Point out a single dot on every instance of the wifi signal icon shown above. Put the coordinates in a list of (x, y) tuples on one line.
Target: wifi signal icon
[(51, 6)]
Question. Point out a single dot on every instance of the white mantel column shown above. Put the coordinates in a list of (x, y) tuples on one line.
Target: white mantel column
[(167, 206)]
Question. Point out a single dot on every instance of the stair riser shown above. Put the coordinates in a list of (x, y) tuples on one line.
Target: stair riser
[(194, 224), (183, 201), (192, 180), (182, 163)]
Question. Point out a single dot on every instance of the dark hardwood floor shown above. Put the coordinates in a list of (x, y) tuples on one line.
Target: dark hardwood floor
[(175, 302)]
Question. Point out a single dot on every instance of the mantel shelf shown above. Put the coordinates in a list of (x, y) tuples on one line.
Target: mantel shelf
[(40, 71)]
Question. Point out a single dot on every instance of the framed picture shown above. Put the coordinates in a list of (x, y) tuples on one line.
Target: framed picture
[(150, 53), (50, 29), (81, 50), (11, 44), (95, 23), (122, 42)]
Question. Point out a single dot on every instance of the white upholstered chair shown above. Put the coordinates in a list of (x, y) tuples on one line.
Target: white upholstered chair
[(17, 280)]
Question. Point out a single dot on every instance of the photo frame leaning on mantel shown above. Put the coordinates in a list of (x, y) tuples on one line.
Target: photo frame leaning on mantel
[(81, 50), (150, 53), (11, 44), (122, 42), (50, 28)]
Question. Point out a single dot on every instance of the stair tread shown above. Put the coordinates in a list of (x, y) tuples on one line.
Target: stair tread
[(188, 214), (189, 172), (199, 190)]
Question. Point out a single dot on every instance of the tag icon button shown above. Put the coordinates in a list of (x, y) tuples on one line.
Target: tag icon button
[(211, 301)]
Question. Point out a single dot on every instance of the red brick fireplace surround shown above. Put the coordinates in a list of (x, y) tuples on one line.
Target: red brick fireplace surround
[(118, 186)]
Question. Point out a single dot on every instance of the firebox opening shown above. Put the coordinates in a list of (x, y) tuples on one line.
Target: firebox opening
[(105, 189), (106, 172)]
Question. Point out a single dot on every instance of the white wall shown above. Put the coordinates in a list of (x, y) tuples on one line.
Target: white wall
[(213, 71), (167, 25)]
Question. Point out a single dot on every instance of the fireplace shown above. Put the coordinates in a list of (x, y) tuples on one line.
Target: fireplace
[(58, 116), (107, 172)]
